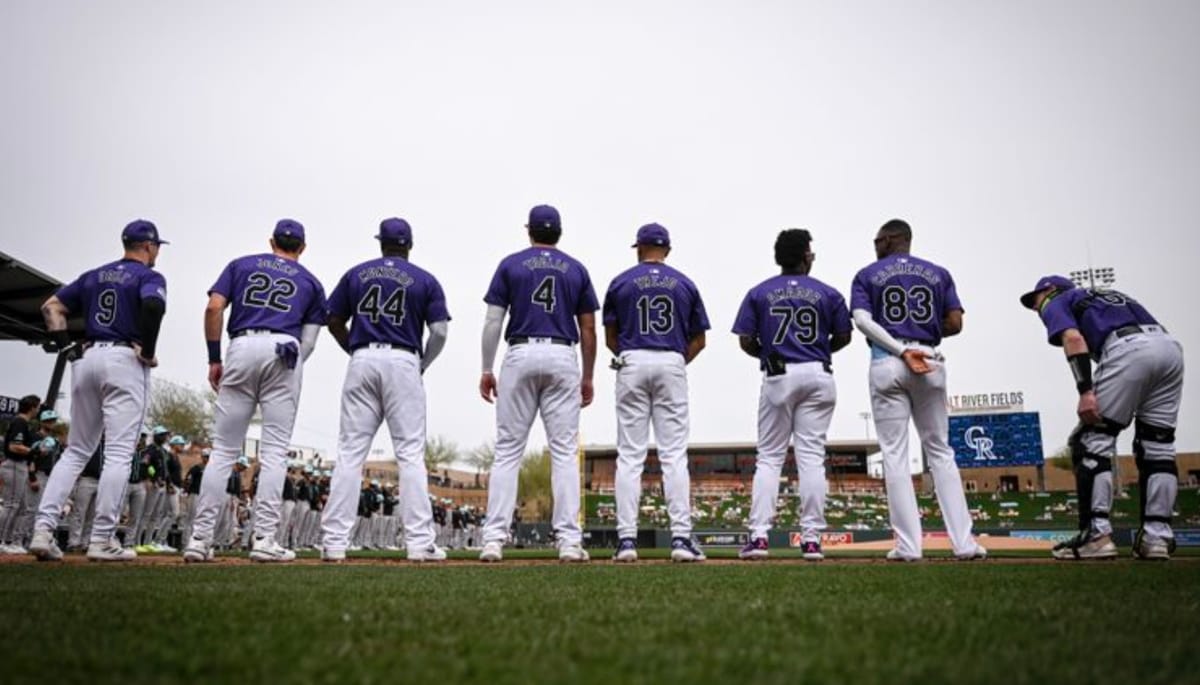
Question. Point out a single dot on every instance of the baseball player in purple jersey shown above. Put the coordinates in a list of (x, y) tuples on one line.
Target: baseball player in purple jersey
[(1138, 379), (551, 306), (654, 322), (792, 323), (905, 306), (277, 309), (122, 303), (388, 303)]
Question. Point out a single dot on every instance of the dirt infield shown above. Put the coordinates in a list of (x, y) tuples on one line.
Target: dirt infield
[(942, 544)]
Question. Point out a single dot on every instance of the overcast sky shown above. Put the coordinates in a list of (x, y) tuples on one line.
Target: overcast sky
[(1018, 139)]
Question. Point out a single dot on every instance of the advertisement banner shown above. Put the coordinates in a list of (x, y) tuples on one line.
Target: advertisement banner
[(722, 538), (828, 539), (8, 407), (1047, 535), (981, 440)]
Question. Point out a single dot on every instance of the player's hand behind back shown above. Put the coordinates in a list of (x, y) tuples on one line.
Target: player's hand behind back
[(1089, 408), (915, 361), (588, 392)]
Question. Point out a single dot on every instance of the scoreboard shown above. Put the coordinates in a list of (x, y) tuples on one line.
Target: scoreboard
[(1009, 439)]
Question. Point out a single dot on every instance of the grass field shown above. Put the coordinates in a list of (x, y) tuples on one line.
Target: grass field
[(1000, 621)]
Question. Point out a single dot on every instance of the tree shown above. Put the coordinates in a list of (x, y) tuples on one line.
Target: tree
[(182, 410), (534, 483), (481, 459), (1062, 459), (439, 453)]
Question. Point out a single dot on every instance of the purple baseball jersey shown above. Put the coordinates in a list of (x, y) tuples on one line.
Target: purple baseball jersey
[(388, 300), (907, 296), (544, 290), (1093, 313), (268, 292), (793, 316), (654, 307), (110, 298)]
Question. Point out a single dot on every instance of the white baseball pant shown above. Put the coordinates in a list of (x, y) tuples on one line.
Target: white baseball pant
[(652, 388), (108, 397), (253, 377), (898, 394), (14, 482), (382, 385), (536, 377), (794, 407)]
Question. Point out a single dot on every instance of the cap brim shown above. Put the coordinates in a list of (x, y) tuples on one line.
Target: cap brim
[(1028, 298), (163, 242)]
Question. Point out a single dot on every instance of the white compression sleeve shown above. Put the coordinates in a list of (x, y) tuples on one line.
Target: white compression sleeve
[(308, 339), (492, 323), (435, 343), (875, 332)]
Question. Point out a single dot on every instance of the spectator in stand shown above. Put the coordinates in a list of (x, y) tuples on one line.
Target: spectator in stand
[(15, 471)]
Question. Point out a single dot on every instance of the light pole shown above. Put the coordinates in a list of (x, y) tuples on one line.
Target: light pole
[(866, 417), (1100, 278)]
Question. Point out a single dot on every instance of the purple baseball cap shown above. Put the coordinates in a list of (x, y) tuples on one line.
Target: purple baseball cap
[(544, 216), (1045, 282), (140, 231), (289, 228), (395, 230), (652, 234)]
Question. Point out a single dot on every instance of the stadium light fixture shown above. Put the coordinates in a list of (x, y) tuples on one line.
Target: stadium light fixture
[(1100, 278)]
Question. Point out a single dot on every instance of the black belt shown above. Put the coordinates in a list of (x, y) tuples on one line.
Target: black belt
[(254, 331), (778, 367), (113, 343), (1134, 329), (390, 346), (522, 339)]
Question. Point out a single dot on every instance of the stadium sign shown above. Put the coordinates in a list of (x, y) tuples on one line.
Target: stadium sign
[(722, 538), (8, 407), (986, 402), (1004, 439), (828, 539)]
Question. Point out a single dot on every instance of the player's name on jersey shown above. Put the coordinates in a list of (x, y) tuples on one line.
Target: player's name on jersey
[(903, 267), (794, 292), (656, 280), (995, 401), (546, 261), (387, 272)]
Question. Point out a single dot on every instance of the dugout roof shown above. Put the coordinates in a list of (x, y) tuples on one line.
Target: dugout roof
[(23, 289)]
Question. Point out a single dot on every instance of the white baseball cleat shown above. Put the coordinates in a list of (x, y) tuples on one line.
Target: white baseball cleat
[(333, 556), (110, 551), (198, 551), (266, 550), (1151, 547), (978, 554), (14, 549), (573, 554), (492, 552), (626, 551), (685, 550), (44, 547), (432, 553), (895, 555), (1085, 546)]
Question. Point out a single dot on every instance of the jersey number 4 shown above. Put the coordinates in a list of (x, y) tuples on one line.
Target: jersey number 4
[(262, 291), (373, 306), (544, 294)]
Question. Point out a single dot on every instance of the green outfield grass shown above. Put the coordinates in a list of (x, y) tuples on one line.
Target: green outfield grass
[(985, 622)]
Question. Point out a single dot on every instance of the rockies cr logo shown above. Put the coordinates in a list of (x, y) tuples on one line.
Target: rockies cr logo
[(977, 439)]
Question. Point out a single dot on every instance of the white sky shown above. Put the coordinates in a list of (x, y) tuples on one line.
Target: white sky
[(1016, 137)]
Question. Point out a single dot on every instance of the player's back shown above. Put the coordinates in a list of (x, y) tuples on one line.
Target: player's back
[(907, 296), (388, 300), (269, 292), (655, 307), (794, 316), (544, 290), (1095, 313), (110, 296)]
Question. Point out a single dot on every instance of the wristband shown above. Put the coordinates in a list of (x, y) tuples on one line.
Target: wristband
[(214, 351), (1081, 367)]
